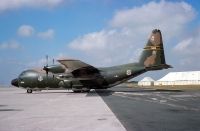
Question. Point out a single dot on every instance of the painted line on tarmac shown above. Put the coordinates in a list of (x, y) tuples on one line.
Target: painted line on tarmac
[(168, 98), (127, 93), (159, 102), (145, 94)]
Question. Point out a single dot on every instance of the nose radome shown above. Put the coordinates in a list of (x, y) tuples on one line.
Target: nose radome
[(14, 82)]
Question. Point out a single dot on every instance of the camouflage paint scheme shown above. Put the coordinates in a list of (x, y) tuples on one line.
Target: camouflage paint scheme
[(79, 76)]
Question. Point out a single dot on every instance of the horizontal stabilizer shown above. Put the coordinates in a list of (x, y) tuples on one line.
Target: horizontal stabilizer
[(159, 67)]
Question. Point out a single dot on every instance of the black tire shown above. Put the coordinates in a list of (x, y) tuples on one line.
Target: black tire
[(29, 91)]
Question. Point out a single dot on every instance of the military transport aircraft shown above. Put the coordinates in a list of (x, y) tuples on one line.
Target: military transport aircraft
[(81, 77)]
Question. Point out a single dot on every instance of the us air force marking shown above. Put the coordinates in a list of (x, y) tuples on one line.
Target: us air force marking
[(40, 78), (128, 72)]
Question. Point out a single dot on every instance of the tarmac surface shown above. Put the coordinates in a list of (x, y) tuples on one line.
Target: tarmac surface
[(54, 111), (148, 109), (116, 109)]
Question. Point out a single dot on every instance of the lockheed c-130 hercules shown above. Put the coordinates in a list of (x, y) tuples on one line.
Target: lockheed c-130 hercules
[(81, 77)]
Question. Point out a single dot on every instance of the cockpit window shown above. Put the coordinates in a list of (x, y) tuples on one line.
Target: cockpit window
[(23, 73)]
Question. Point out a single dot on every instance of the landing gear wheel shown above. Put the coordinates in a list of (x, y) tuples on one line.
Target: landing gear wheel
[(29, 91)]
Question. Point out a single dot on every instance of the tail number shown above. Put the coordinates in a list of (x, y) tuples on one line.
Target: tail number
[(128, 72)]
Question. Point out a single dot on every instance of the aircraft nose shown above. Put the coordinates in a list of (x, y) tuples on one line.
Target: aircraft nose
[(14, 82)]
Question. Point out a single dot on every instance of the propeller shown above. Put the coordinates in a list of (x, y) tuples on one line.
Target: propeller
[(46, 67), (53, 64), (47, 57)]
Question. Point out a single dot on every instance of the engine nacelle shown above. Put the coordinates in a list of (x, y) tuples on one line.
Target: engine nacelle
[(55, 69), (65, 84)]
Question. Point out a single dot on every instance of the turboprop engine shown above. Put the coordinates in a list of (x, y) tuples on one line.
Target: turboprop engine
[(54, 69)]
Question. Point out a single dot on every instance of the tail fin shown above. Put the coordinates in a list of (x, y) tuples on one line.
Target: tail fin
[(153, 56)]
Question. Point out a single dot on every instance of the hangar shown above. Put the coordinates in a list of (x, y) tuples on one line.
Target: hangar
[(146, 81), (179, 78)]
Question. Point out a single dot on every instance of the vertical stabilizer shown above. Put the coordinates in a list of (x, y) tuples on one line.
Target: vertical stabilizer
[(153, 56)]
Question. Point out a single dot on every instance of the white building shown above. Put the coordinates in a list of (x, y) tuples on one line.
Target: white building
[(147, 81), (180, 78)]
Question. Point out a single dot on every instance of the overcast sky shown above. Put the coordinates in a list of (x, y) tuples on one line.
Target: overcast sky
[(99, 32)]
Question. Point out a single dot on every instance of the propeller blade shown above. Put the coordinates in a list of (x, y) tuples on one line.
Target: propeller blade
[(47, 57), (46, 67)]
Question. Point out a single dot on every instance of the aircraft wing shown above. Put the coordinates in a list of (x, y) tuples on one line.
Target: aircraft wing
[(79, 68)]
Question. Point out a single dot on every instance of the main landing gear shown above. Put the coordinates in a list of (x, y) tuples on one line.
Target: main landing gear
[(75, 90)]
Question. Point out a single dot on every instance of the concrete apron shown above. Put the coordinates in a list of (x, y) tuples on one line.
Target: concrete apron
[(55, 111)]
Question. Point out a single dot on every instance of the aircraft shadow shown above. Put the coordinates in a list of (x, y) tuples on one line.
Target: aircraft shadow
[(52, 92), (46, 92), (107, 92), (99, 92)]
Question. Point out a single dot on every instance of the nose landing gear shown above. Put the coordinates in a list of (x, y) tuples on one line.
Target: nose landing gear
[(29, 91)]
